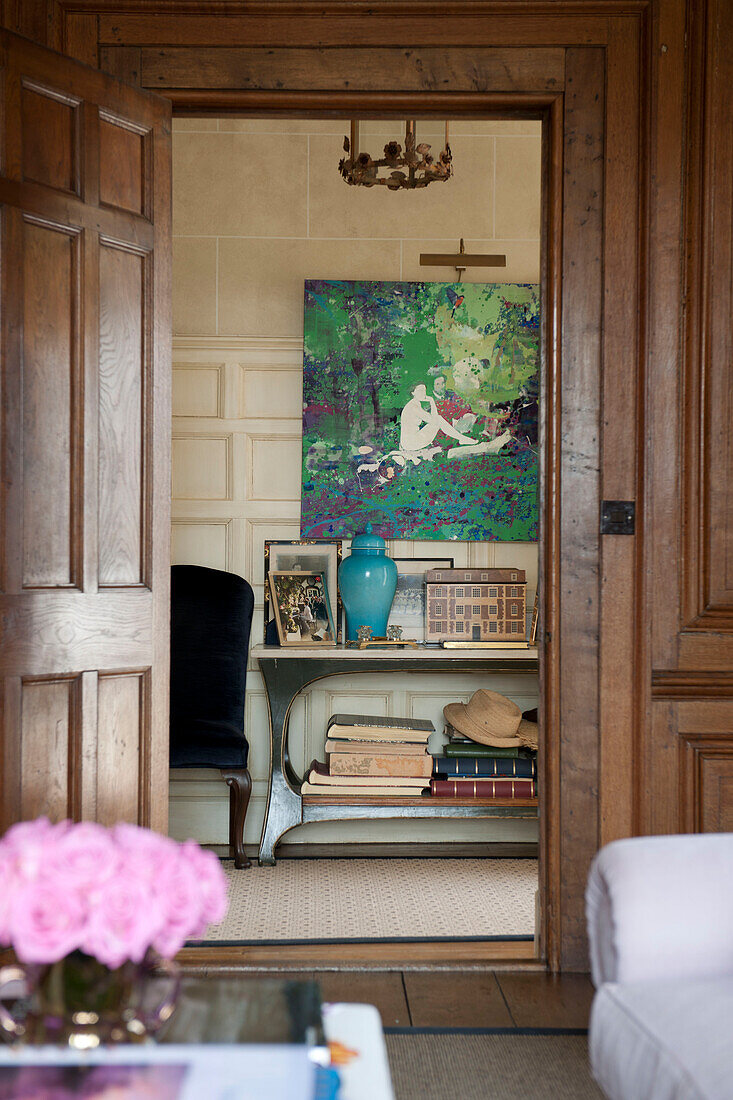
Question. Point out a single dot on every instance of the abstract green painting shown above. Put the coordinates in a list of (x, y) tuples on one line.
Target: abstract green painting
[(420, 410)]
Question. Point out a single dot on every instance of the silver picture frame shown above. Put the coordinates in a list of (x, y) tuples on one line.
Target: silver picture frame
[(307, 556), (409, 603)]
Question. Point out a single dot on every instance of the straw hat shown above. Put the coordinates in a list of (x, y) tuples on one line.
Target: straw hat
[(492, 719)]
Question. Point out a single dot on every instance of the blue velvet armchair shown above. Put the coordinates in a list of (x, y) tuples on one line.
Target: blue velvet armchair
[(211, 620)]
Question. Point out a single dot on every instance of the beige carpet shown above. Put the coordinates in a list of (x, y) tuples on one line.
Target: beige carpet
[(490, 1067), (343, 899)]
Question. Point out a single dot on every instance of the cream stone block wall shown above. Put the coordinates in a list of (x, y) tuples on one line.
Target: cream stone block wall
[(258, 208)]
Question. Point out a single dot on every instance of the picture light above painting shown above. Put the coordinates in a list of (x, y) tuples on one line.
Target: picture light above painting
[(420, 410)]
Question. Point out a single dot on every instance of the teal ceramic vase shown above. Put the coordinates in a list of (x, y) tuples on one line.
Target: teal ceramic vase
[(367, 581)]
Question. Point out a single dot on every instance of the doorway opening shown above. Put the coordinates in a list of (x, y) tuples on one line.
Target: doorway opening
[(258, 209)]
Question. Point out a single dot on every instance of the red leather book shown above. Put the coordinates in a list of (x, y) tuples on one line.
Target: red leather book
[(483, 788)]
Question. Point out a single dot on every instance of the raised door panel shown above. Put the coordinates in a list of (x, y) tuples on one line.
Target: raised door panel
[(123, 732), (707, 772), (49, 747), (51, 137), (124, 164), (51, 387), (716, 781), (124, 395)]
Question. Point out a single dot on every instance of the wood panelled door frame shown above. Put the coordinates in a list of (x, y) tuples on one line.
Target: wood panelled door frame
[(588, 96), (637, 732), (85, 501)]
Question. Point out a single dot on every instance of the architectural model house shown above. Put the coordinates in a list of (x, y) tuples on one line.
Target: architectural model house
[(476, 605)]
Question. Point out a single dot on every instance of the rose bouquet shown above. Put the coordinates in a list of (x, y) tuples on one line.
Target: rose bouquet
[(85, 901), (111, 893)]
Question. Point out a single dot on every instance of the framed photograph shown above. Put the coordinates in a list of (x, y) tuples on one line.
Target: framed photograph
[(302, 609), (408, 606), (308, 556)]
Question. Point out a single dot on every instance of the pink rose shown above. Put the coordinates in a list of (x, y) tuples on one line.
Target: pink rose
[(8, 885), (178, 887), (143, 852), (46, 922), (212, 883), (27, 845), (110, 892), (84, 857), (122, 921)]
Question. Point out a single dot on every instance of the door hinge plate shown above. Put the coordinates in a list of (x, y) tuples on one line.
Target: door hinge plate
[(618, 517)]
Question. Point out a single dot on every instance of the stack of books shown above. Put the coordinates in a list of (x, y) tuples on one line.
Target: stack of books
[(468, 769), (373, 757)]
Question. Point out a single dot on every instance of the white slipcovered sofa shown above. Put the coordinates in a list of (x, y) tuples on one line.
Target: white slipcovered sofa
[(660, 925)]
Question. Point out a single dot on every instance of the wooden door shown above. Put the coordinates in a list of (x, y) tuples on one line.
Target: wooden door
[(685, 778), (85, 502)]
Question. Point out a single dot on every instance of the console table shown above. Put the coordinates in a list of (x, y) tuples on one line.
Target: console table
[(287, 670)]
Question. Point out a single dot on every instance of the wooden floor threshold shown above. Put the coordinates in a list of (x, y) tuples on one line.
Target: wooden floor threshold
[(492, 954)]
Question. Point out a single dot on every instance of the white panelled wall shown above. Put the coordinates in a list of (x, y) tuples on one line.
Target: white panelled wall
[(237, 399)]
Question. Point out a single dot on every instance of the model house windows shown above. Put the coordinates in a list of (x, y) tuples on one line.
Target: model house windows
[(481, 620)]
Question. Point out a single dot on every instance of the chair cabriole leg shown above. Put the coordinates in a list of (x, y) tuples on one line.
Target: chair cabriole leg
[(239, 782)]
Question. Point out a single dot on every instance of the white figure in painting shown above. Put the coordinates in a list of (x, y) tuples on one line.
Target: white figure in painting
[(420, 425)]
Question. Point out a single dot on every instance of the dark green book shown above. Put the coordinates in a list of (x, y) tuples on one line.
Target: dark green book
[(473, 748)]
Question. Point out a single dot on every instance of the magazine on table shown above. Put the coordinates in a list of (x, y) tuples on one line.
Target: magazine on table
[(250, 1071)]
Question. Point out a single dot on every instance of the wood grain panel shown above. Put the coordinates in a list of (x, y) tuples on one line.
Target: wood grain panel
[(659, 573), (548, 584), (49, 740), (123, 165), (60, 631), (122, 396), (708, 445), (369, 70), (707, 792), (121, 717), (81, 36), (51, 138), (123, 62), (712, 716), (51, 424), (545, 1000), (582, 295), (377, 24), (699, 650), (32, 18), (445, 1000), (716, 781), (622, 382)]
